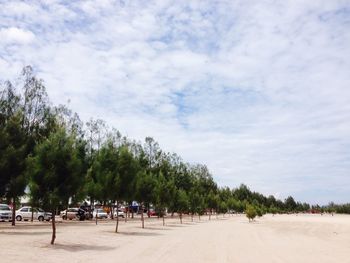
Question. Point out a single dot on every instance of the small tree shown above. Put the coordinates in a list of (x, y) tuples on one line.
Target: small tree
[(223, 208), (127, 170), (182, 203), (12, 160), (104, 175), (290, 204), (201, 207), (212, 201), (273, 210), (194, 202), (145, 186), (163, 195), (55, 172), (250, 212), (259, 211)]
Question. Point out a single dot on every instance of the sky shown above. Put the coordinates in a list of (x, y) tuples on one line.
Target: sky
[(259, 91)]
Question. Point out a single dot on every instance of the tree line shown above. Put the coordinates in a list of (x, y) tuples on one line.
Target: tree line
[(47, 152)]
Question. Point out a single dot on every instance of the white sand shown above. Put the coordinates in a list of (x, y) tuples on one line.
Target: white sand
[(282, 238)]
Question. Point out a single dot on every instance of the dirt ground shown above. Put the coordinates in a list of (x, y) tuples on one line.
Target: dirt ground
[(280, 238)]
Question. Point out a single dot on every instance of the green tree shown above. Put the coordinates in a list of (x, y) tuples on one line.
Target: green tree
[(127, 170), (13, 152), (222, 207), (250, 212), (145, 190), (233, 205), (105, 182), (152, 154), (273, 210), (163, 195), (212, 202), (290, 204), (259, 211), (56, 170), (24, 122), (195, 202), (182, 203)]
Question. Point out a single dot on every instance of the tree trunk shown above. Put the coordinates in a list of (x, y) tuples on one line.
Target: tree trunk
[(67, 210), (91, 205), (181, 218), (142, 219), (111, 208), (95, 216), (53, 227), (199, 217), (163, 220), (32, 217), (13, 211), (116, 227), (192, 217), (126, 214)]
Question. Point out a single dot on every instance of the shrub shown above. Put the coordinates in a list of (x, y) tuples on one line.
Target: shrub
[(250, 212)]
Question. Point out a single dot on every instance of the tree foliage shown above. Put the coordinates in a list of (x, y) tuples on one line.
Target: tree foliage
[(56, 170)]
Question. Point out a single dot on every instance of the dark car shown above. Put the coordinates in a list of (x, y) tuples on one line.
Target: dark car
[(88, 211), (74, 213), (81, 214)]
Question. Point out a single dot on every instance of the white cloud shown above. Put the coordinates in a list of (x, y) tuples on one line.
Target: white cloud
[(14, 35), (256, 90)]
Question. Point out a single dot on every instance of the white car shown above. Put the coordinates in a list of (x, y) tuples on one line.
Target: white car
[(25, 213), (120, 213), (99, 213), (5, 213)]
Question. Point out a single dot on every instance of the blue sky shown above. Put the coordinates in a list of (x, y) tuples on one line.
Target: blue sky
[(257, 90)]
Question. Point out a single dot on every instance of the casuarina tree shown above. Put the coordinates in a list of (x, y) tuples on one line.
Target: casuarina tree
[(145, 190), (55, 172)]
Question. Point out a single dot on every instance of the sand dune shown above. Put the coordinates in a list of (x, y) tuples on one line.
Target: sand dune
[(281, 238)]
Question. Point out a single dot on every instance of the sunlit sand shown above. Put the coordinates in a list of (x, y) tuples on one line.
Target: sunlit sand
[(280, 238)]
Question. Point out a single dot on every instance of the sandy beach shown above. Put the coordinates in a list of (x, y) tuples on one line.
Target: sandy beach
[(280, 238)]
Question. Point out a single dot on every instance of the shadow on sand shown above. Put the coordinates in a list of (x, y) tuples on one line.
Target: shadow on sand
[(177, 225), (158, 228), (141, 234), (80, 247), (15, 233)]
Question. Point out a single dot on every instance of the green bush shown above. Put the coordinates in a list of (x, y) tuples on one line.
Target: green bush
[(250, 212)]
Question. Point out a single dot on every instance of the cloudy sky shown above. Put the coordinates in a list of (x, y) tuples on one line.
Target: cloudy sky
[(257, 90)]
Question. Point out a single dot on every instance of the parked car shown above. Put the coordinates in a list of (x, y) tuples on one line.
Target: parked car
[(120, 213), (5, 213), (88, 211), (25, 213), (99, 213), (140, 211), (73, 213), (152, 212)]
